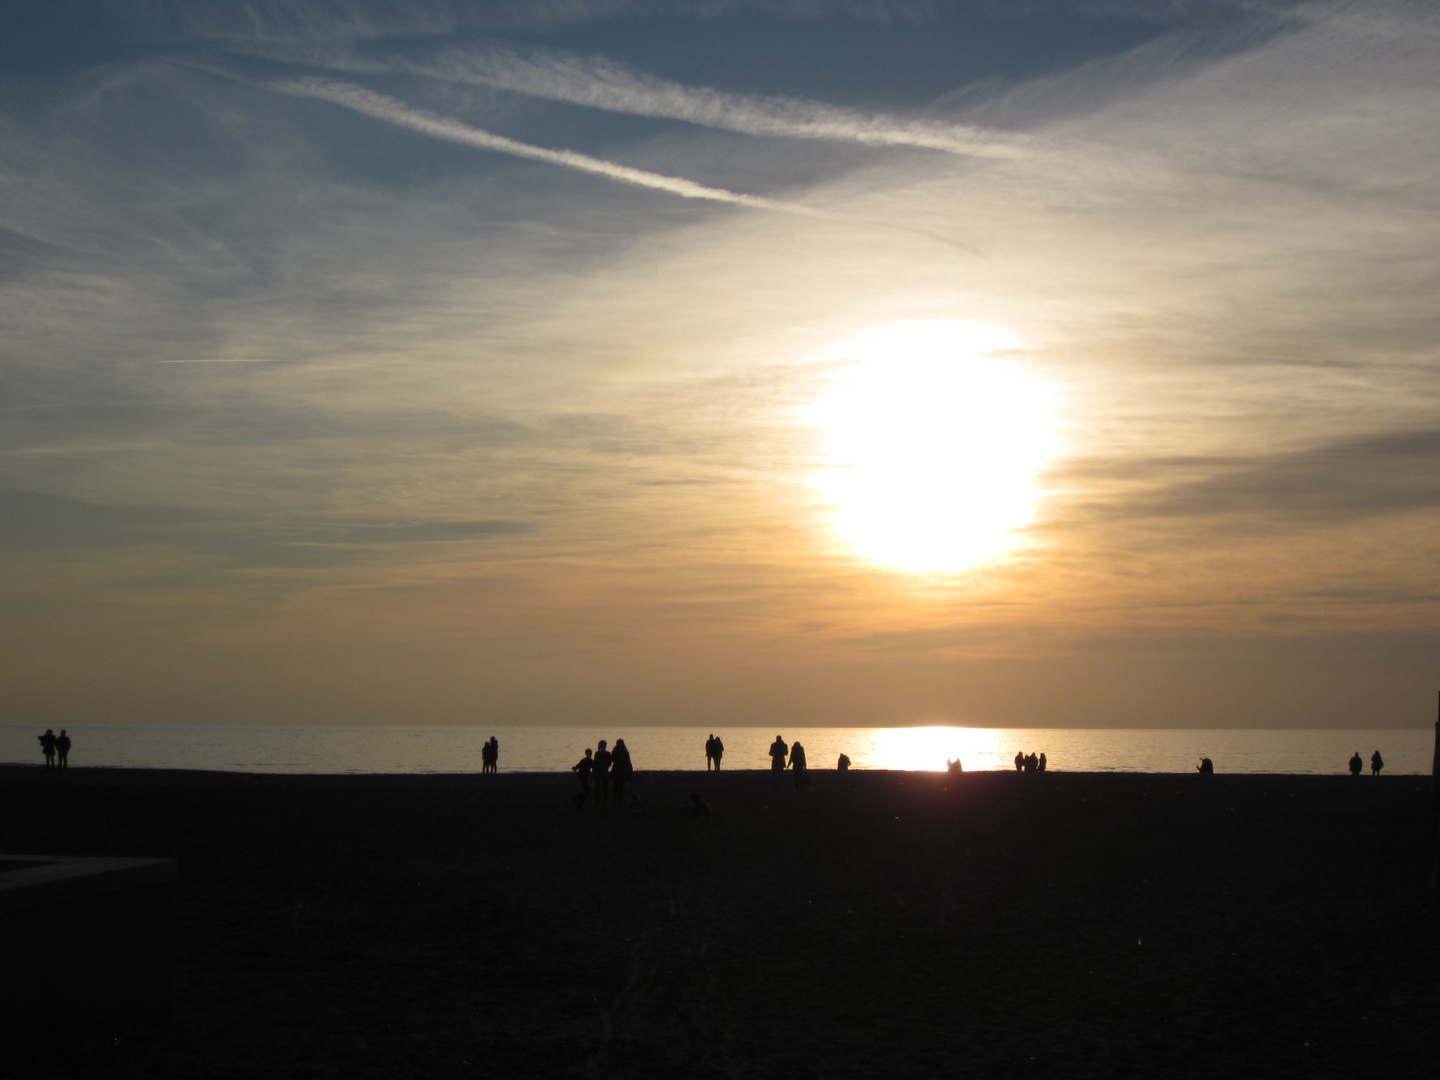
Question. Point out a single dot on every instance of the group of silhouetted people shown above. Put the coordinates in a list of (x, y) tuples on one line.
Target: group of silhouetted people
[(490, 756), (1029, 762), (55, 747), (603, 775), (796, 753), (1357, 765), (714, 751)]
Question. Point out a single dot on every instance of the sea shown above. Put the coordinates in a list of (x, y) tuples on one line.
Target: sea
[(358, 750)]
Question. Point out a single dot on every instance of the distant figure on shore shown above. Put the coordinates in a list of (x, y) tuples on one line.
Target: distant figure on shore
[(1376, 761), (1041, 766), (1356, 764), (62, 751), (954, 767), (714, 751), (602, 774), (696, 806), (778, 752), (1031, 762), (582, 770), (1206, 767), (1019, 760), (620, 771), (490, 755), (47, 747), (797, 763), (843, 765)]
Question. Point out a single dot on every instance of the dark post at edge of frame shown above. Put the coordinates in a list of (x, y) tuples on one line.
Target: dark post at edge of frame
[(1435, 813)]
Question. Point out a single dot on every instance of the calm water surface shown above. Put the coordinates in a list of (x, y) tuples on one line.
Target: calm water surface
[(550, 749)]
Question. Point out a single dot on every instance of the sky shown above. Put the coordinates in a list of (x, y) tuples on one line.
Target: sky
[(720, 362)]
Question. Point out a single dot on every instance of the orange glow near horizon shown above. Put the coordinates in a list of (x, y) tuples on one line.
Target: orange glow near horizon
[(932, 444)]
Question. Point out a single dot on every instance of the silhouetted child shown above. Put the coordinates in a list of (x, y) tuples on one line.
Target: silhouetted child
[(1356, 764), (582, 770), (620, 769), (62, 750), (843, 765), (1376, 762), (47, 747), (778, 751), (797, 764), (602, 774)]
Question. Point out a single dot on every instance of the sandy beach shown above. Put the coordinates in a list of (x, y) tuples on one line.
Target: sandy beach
[(873, 924)]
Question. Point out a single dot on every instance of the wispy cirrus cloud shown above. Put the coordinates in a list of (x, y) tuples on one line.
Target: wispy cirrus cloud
[(600, 83), (380, 107)]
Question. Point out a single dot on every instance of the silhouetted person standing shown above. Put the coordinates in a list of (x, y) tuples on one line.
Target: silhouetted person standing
[(62, 750), (47, 747), (719, 751), (602, 774), (620, 770), (490, 756), (582, 770), (778, 751), (1019, 760), (1356, 764), (797, 763), (1031, 762), (1041, 766), (1376, 762)]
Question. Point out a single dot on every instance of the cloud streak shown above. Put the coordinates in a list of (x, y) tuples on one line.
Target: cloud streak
[(603, 84), (380, 107)]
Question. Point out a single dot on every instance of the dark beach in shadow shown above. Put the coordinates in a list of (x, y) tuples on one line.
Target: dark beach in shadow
[(871, 925)]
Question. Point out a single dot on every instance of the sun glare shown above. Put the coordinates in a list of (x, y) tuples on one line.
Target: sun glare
[(932, 444)]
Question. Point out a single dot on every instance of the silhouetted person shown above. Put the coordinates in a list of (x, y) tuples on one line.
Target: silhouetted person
[(843, 765), (696, 807), (954, 767), (1376, 761), (602, 774), (620, 770), (1356, 764), (797, 764), (62, 750), (1206, 767), (490, 755), (1019, 760), (1031, 762), (47, 747), (778, 751), (719, 751), (582, 770), (1040, 766)]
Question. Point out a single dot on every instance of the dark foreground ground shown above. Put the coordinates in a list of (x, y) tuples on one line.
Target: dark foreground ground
[(875, 925)]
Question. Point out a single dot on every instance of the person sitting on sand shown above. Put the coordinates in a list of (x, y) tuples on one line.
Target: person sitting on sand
[(1356, 764), (797, 763), (620, 770), (602, 774), (582, 770), (1206, 767), (843, 765), (696, 806), (47, 747), (1376, 762), (778, 752), (62, 750)]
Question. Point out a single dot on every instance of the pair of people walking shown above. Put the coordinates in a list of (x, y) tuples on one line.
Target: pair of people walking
[(796, 753), (610, 771), (55, 746), (1376, 764)]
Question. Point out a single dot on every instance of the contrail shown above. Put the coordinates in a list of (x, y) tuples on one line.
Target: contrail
[(388, 109), (602, 84)]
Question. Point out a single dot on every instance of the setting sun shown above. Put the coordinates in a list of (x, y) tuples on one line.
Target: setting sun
[(932, 444)]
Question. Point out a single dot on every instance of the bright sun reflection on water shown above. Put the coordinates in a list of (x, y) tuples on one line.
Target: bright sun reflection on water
[(932, 444)]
